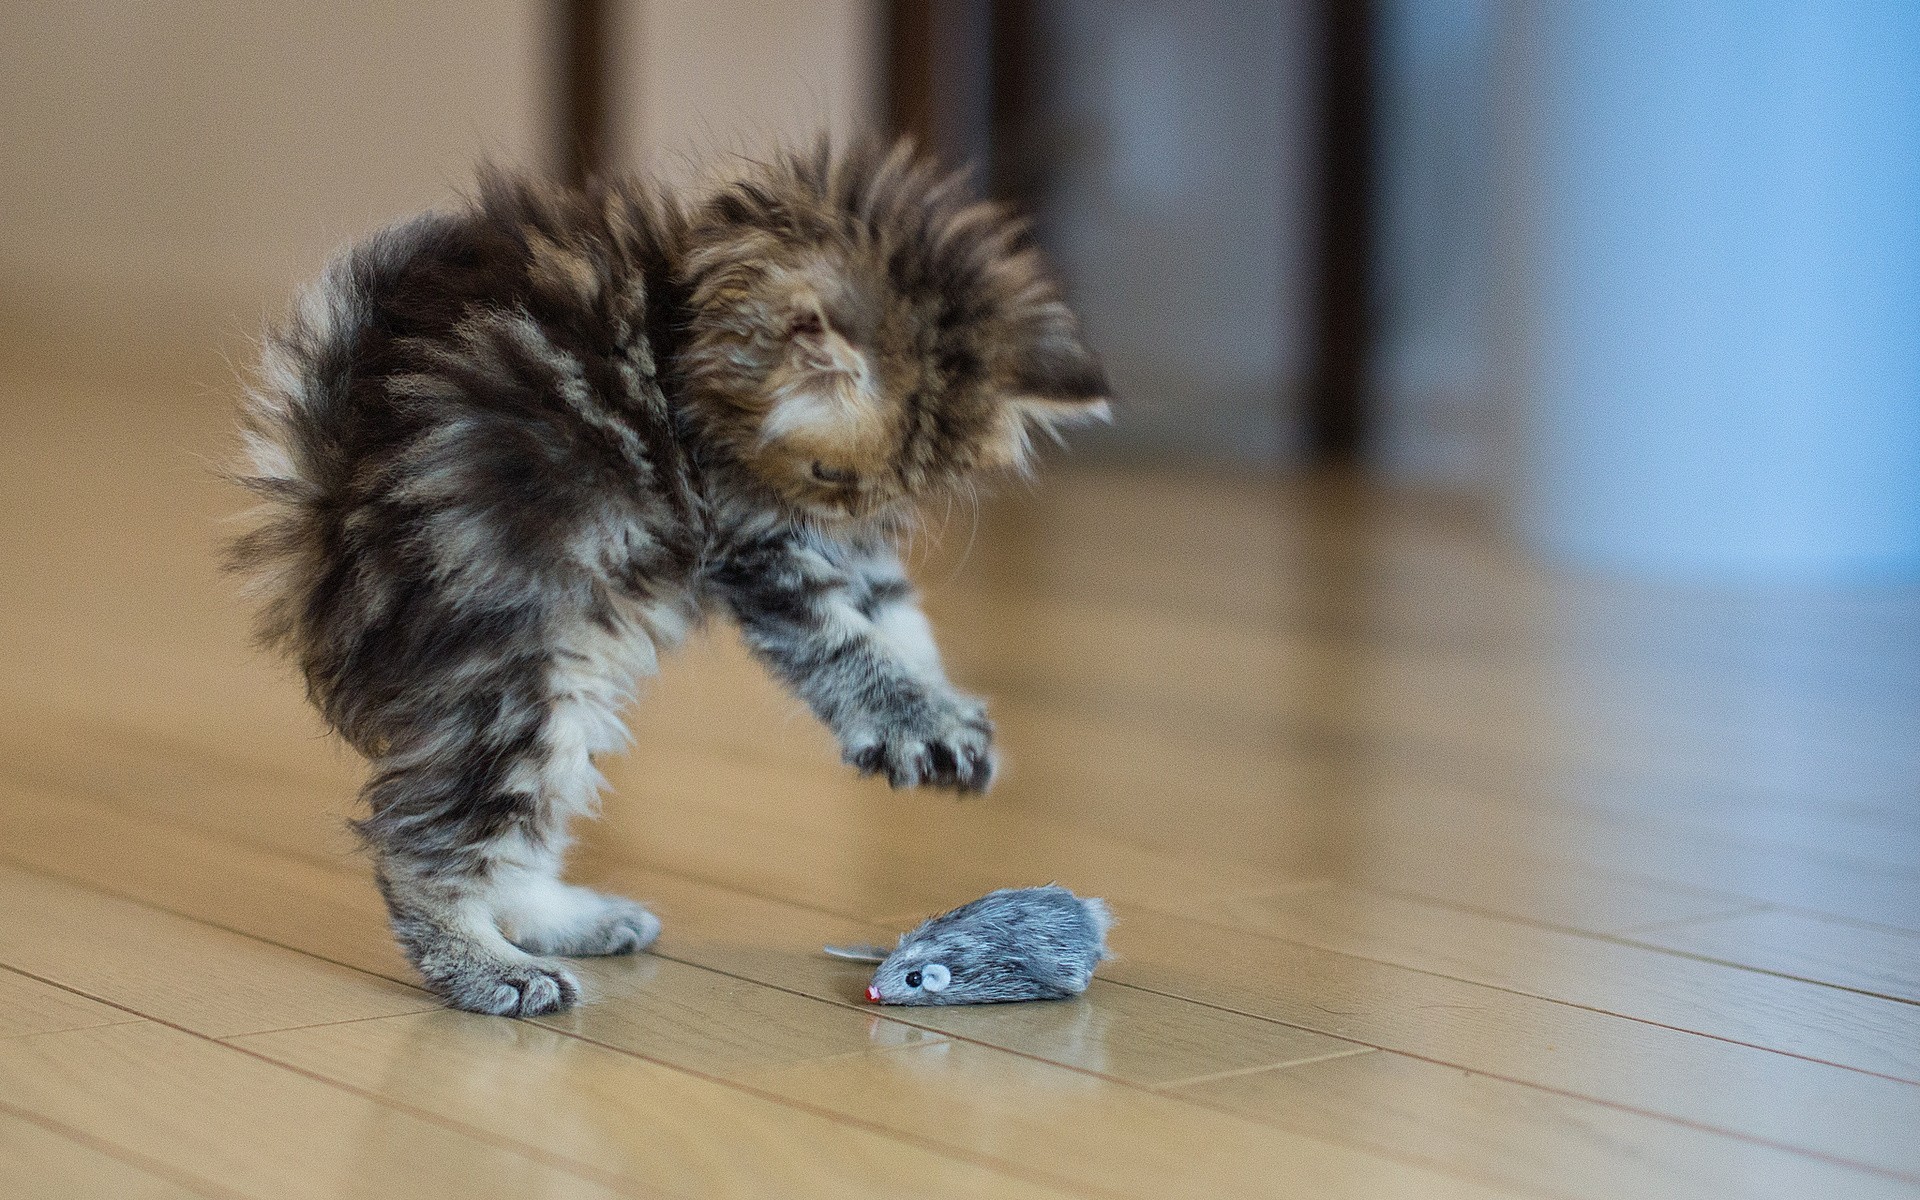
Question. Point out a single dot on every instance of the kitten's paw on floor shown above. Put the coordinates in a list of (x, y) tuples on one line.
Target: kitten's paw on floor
[(625, 928), (529, 989), (950, 747), (577, 922)]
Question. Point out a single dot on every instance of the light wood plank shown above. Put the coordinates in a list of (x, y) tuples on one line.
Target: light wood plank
[(176, 970), (1530, 1138), (332, 911), (634, 1120), (208, 783), (37, 1163), (1294, 802), (1749, 871), (1122, 1033), (1260, 687), (646, 1007), (683, 1014), (1719, 1085), (1884, 962), (697, 814), (29, 1006), (1557, 1022), (1100, 1135), (854, 846), (1447, 863), (1867, 1033), (717, 1024), (234, 1122)]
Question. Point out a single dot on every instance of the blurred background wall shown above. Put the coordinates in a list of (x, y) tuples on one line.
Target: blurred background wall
[(694, 81), (1639, 277), (1176, 193), (171, 159)]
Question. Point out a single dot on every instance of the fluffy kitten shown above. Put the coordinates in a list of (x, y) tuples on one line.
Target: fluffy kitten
[(509, 454)]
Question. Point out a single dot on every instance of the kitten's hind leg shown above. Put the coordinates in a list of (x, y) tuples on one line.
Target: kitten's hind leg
[(469, 845), (593, 675), (469, 822), (478, 931), (447, 928)]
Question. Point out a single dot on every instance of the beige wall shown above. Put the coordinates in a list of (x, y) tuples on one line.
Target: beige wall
[(707, 79), (185, 153)]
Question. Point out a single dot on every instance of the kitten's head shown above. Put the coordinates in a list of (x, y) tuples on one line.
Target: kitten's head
[(864, 335)]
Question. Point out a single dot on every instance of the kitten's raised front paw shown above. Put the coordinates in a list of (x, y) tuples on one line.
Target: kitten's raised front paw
[(950, 745), (504, 989)]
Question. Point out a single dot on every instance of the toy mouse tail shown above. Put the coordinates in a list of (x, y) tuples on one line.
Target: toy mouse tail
[(865, 954)]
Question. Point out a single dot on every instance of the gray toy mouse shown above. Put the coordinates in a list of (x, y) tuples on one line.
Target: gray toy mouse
[(1036, 943)]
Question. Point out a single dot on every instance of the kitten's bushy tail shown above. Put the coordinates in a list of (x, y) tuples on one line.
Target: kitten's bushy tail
[(292, 421)]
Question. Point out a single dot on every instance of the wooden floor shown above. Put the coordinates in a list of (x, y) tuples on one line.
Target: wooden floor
[(1436, 876)]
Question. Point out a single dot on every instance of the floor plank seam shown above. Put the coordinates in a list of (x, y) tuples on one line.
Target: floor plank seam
[(590, 1174), (918, 1139), (1463, 770), (132, 1018), (623, 860), (1618, 938), (558, 1162), (1690, 1123), (1260, 1068), (221, 833), (994, 1164), (1683, 922), (123, 1155), (334, 865), (946, 1149), (1697, 956), (1595, 1009)]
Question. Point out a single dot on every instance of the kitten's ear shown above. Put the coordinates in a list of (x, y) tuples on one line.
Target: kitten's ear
[(1055, 382), (1050, 414)]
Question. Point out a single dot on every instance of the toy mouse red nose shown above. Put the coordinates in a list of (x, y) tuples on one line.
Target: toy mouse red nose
[(873, 994)]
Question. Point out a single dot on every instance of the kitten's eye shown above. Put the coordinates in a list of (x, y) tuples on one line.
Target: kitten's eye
[(826, 474), (806, 324), (913, 979), (937, 977)]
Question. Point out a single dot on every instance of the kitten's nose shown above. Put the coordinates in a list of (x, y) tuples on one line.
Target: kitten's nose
[(873, 994)]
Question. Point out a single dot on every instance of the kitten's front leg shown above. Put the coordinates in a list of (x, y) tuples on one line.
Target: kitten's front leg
[(840, 628)]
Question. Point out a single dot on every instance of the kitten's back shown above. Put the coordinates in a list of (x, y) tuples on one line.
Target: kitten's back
[(455, 411)]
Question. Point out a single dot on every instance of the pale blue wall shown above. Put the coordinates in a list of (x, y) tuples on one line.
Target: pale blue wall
[(1725, 282)]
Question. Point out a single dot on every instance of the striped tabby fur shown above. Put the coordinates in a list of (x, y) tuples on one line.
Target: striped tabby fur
[(509, 455)]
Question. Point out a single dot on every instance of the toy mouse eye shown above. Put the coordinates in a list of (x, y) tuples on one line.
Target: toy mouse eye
[(937, 977), (913, 979)]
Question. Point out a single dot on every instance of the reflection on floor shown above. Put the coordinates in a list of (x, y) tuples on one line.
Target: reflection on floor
[(1436, 875)]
